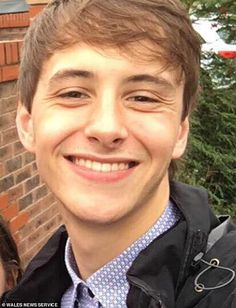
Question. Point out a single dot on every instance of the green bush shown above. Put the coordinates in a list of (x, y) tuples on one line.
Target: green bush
[(210, 160)]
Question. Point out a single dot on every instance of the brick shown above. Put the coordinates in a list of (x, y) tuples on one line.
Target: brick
[(34, 237), (26, 19), (4, 200), (10, 212), (13, 164), (49, 199), (28, 158), (11, 53), (59, 220), (35, 208), (25, 201), (22, 247), (18, 222), (38, 220), (40, 192), (6, 22), (44, 238), (2, 21), (7, 47), (50, 224), (29, 228), (15, 192), (15, 53), (1, 170), (5, 152), (32, 183), (8, 104), (20, 44), (6, 183), (15, 20), (2, 54), (22, 175), (16, 238), (7, 89), (9, 72), (7, 120), (27, 257), (43, 204), (9, 135), (18, 148), (35, 9)]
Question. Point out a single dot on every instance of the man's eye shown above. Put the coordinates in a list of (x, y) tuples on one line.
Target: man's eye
[(143, 99), (73, 94)]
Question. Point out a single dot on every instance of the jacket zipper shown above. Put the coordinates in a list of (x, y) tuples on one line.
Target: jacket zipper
[(139, 284)]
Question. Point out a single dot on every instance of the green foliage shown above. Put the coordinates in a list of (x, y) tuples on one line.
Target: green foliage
[(222, 11), (211, 157)]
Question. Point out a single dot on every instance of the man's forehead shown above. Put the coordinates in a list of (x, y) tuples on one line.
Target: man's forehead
[(81, 60)]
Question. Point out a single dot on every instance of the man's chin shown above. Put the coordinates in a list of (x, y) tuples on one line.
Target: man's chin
[(92, 215)]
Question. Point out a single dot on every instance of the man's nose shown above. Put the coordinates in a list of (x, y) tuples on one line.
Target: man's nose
[(106, 126)]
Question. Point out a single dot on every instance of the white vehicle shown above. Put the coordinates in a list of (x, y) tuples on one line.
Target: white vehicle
[(211, 41)]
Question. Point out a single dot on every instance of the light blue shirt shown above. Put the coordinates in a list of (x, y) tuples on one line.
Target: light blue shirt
[(108, 287)]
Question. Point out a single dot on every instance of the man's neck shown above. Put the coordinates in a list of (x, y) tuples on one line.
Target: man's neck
[(94, 245)]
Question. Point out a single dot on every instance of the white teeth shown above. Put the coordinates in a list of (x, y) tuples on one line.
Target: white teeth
[(81, 162), (122, 166), (106, 167), (114, 167), (88, 164), (96, 166), (101, 167)]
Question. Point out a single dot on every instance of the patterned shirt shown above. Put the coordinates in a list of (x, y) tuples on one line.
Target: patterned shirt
[(108, 287)]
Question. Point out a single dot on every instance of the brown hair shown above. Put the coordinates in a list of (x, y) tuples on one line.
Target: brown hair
[(112, 23), (9, 256)]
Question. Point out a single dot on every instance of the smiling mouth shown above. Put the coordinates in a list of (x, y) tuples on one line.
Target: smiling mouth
[(101, 166)]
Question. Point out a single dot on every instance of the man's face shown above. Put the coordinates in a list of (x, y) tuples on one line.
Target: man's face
[(104, 129)]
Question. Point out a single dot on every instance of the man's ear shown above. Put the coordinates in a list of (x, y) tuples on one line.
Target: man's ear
[(25, 127), (182, 139)]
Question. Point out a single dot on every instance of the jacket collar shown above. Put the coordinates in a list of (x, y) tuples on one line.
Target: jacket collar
[(200, 220), (165, 264), (46, 278)]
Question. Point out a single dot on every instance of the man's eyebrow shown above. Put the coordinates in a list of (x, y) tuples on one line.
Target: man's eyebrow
[(68, 74), (151, 79)]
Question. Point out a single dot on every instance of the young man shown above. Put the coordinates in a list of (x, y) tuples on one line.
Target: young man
[(106, 88)]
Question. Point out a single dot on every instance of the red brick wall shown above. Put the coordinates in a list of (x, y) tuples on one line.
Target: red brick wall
[(25, 202), (9, 60), (14, 20)]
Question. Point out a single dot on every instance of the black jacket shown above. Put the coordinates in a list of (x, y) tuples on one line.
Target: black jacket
[(165, 274)]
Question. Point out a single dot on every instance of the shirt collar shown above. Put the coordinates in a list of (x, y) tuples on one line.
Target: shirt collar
[(109, 283)]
